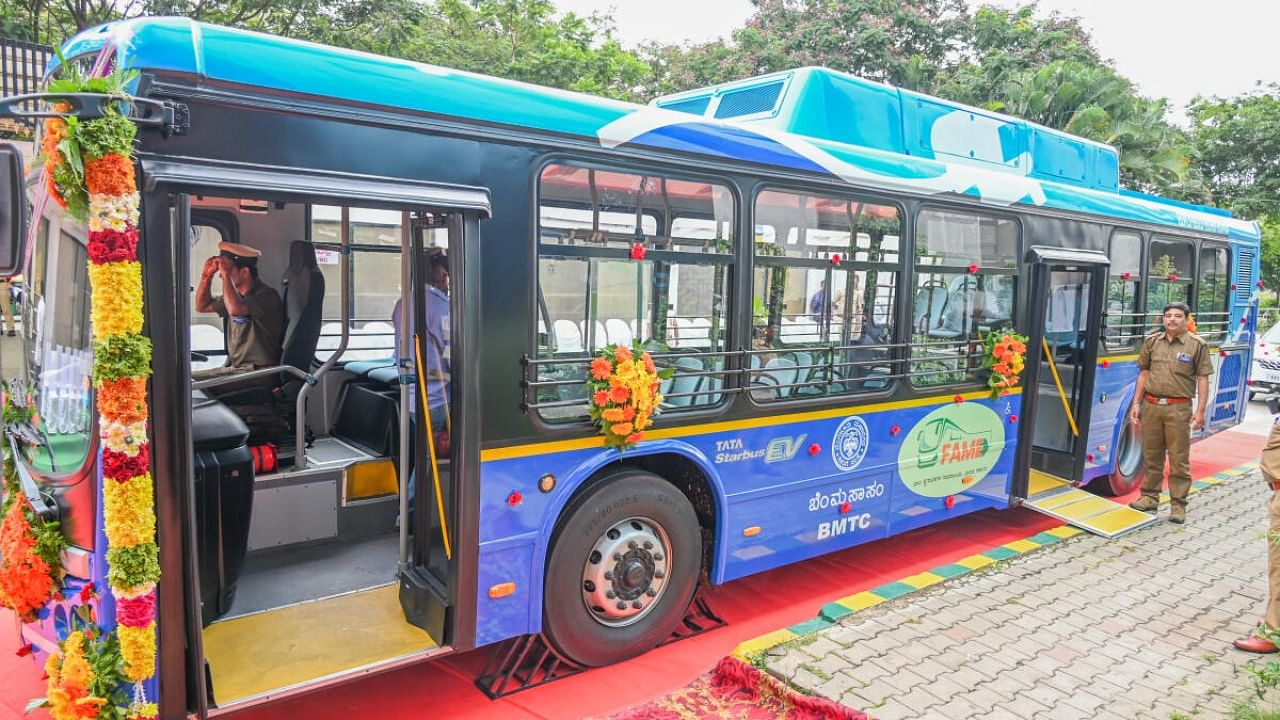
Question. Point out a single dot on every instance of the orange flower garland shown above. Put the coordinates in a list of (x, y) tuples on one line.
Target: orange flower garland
[(26, 580), (70, 676), (624, 394), (1005, 357), (108, 189)]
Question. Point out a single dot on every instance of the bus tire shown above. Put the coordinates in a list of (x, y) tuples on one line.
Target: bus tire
[(1129, 465), (623, 566)]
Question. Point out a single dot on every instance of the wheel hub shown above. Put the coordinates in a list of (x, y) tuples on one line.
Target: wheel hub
[(626, 571)]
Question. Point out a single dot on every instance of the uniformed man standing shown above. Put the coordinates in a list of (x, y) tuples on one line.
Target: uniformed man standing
[(254, 311), (1174, 366)]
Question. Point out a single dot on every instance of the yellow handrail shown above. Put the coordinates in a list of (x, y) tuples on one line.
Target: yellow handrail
[(431, 446), (1066, 406)]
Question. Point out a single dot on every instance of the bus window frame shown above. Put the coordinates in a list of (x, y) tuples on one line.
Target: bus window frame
[(1212, 244), (1105, 347), (1021, 290), (731, 260), (896, 353), (1193, 242)]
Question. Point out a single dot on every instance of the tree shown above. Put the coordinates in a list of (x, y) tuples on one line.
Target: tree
[(1239, 144), (895, 41)]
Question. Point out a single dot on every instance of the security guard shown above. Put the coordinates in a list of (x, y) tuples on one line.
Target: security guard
[(1263, 641), (1174, 365), (254, 310)]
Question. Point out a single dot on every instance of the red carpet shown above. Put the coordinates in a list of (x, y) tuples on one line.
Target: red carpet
[(737, 690), (753, 606)]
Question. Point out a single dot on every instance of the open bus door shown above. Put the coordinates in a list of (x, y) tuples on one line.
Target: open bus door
[(1065, 294), (214, 668)]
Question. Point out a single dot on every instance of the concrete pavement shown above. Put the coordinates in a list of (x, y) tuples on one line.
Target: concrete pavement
[(1138, 627)]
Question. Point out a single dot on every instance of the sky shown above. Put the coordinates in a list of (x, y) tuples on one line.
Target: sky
[(1175, 49)]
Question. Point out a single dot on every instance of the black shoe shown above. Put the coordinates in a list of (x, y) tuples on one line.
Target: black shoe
[(11, 333)]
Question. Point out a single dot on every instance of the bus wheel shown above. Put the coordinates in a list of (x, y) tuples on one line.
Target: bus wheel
[(1129, 463), (623, 567)]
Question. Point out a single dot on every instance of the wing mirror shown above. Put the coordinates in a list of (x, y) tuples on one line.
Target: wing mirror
[(13, 209)]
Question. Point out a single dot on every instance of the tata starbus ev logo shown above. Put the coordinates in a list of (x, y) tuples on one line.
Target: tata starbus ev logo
[(849, 444), (949, 450)]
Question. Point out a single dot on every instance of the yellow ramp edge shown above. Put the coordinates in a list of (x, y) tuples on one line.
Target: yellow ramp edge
[(1057, 498), (256, 654)]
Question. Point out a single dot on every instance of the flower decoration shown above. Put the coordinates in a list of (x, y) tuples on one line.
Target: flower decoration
[(973, 269), (1125, 275), (1005, 358), (1191, 324), (30, 547), (89, 168), (81, 682), (1173, 276), (624, 394), (637, 251), (835, 258)]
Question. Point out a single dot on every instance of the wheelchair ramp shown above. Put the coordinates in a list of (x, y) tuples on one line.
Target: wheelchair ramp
[(1057, 498)]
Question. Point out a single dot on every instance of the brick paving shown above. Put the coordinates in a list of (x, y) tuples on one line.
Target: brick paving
[(1137, 627)]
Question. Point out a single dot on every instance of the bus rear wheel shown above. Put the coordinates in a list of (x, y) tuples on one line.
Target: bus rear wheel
[(1129, 462), (623, 567)]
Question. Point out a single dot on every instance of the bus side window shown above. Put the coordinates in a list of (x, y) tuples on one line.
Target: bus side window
[(1170, 274), (825, 288), (971, 259), (596, 288), (1212, 314), (1124, 321)]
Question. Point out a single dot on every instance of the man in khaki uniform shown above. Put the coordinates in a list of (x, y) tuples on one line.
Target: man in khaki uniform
[(1260, 641), (254, 311), (1173, 365)]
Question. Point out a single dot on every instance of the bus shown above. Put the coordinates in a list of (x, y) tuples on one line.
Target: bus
[(819, 260)]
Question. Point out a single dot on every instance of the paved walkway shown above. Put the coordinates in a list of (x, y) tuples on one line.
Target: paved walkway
[(1138, 627)]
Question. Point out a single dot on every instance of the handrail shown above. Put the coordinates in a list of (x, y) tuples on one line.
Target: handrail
[(1062, 394), (307, 378)]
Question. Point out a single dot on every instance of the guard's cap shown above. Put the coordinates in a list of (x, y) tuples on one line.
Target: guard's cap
[(241, 255)]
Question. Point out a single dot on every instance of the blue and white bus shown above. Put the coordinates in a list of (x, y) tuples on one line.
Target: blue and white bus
[(822, 257)]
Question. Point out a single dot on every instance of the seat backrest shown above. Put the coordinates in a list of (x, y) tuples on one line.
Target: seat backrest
[(568, 337), (303, 306), (682, 382), (619, 331), (783, 371)]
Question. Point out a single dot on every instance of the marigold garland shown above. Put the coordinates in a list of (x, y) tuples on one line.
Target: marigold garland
[(120, 311), (1005, 357), (128, 512), (109, 175), (121, 467), (91, 167), (133, 566), (138, 648), (624, 390), (121, 356), (123, 400)]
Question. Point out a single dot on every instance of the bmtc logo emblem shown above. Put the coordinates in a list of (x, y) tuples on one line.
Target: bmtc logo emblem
[(849, 445)]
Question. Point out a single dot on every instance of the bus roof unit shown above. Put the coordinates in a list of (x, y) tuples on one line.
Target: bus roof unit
[(820, 103)]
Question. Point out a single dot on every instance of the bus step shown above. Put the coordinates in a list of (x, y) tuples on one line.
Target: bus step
[(1057, 498), (529, 661)]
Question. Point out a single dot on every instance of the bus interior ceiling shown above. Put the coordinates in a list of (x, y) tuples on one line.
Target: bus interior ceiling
[(325, 531)]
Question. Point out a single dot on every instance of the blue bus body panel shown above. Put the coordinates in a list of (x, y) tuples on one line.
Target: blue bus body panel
[(786, 489), (250, 59)]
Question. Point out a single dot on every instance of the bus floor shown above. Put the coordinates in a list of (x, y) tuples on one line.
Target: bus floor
[(753, 606)]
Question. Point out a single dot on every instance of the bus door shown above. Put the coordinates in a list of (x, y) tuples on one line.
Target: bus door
[(429, 582), (1066, 292)]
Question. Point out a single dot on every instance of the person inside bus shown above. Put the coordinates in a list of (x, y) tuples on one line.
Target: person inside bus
[(435, 356), (820, 305), (252, 310)]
